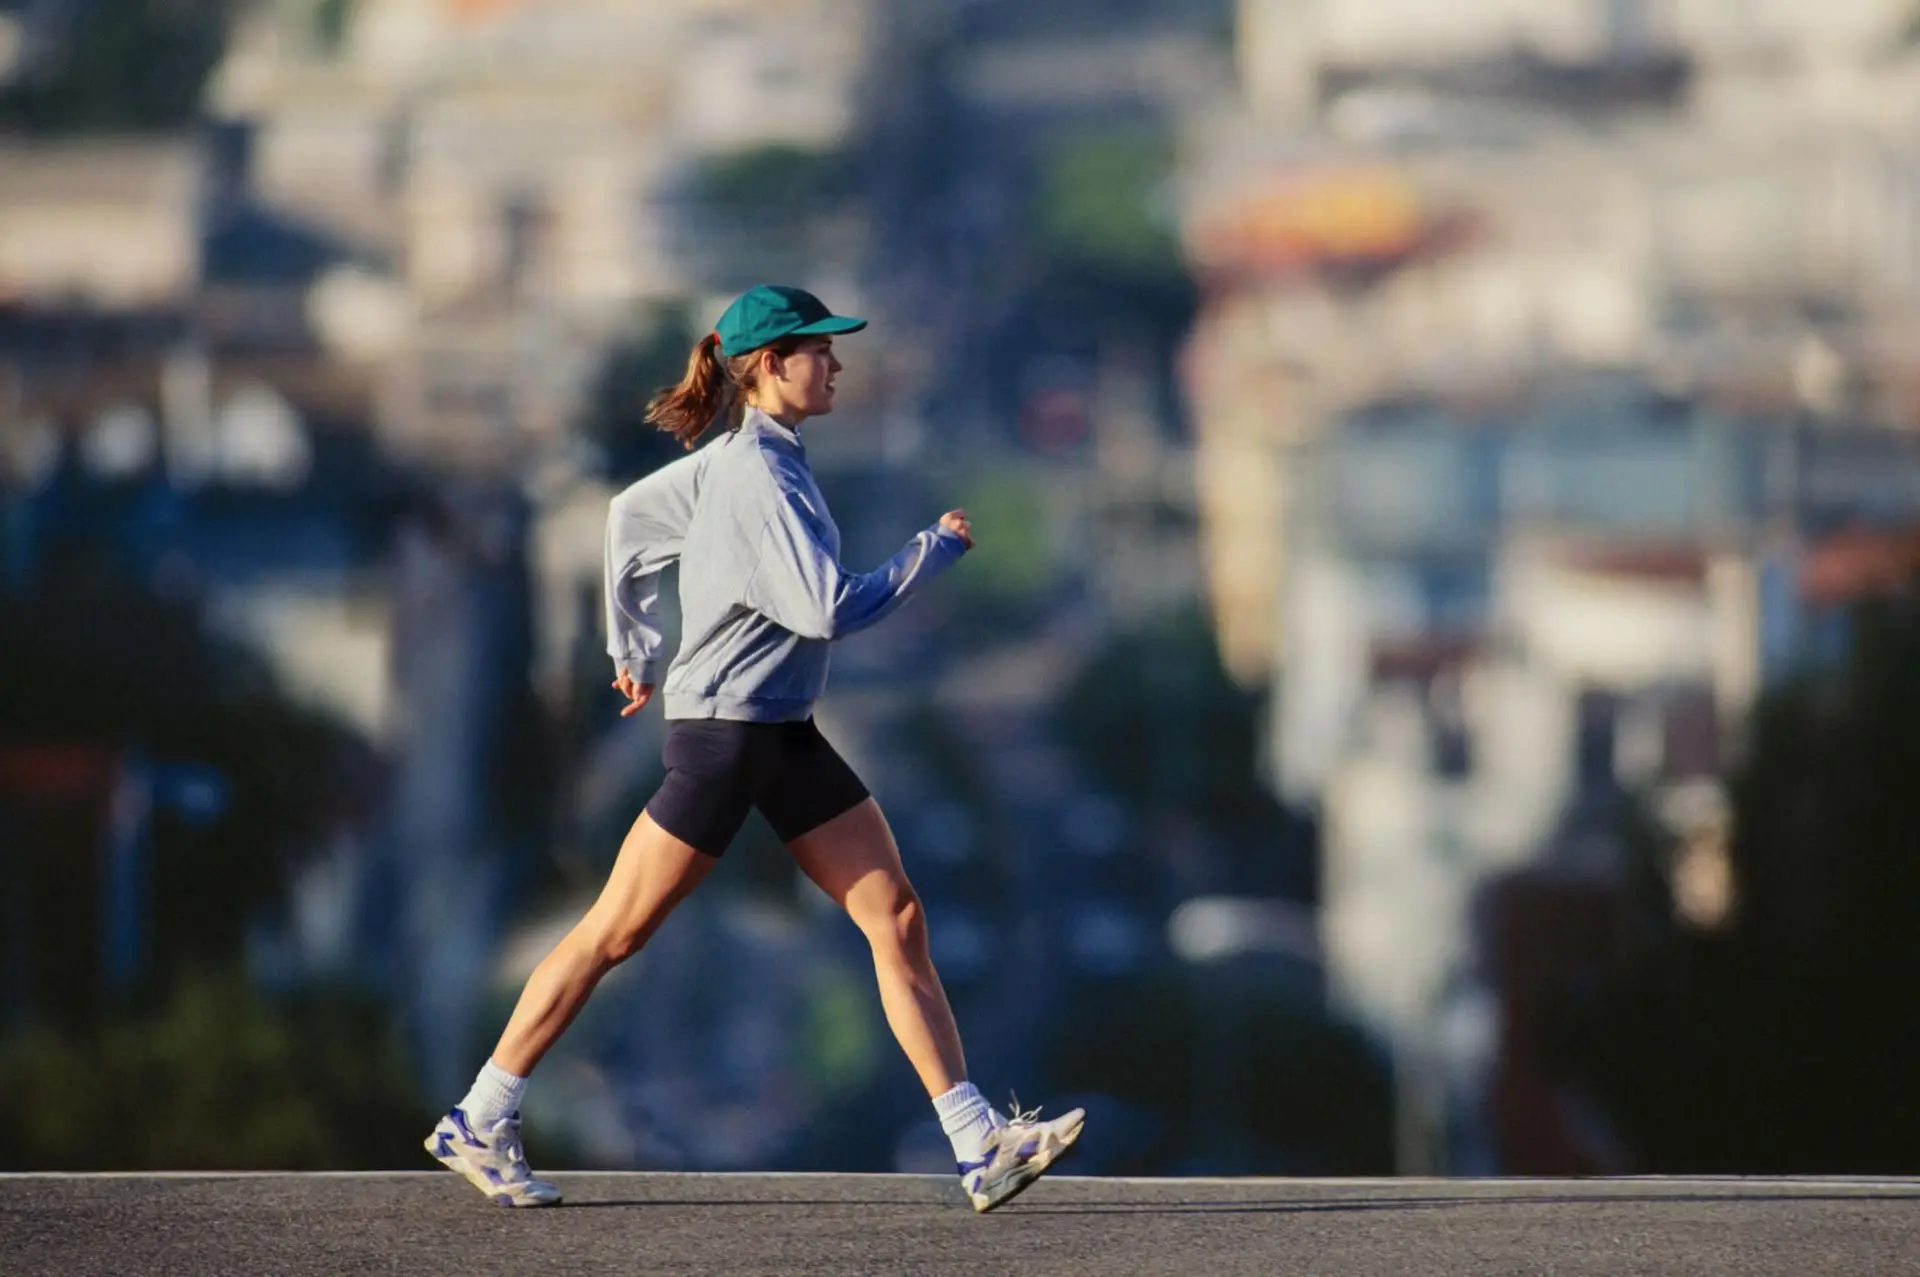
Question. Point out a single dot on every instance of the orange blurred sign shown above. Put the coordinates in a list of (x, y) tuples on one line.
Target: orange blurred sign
[(479, 10), (1362, 213)]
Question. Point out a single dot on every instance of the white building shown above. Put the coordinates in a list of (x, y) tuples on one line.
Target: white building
[(1284, 46), (114, 225)]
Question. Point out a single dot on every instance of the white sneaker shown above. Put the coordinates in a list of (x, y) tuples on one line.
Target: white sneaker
[(1017, 1154), (494, 1161)]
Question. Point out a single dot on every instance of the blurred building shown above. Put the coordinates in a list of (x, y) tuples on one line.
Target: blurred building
[(1385, 222), (1536, 342), (485, 194), (113, 225), (518, 175)]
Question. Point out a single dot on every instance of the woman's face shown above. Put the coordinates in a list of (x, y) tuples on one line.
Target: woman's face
[(800, 384)]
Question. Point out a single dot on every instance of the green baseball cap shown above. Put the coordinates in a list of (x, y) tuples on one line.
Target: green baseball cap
[(768, 312)]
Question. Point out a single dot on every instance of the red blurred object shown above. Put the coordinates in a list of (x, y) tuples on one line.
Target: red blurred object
[(56, 802), (1858, 563)]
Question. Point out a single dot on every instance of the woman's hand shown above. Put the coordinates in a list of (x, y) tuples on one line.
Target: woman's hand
[(955, 521), (637, 694)]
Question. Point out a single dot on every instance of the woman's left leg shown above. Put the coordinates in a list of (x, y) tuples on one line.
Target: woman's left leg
[(854, 859)]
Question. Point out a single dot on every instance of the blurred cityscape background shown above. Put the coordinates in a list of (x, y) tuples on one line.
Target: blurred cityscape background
[(1438, 691)]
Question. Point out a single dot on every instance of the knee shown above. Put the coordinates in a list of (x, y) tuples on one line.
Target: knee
[(899, 929), (618, 946), (609, 944)]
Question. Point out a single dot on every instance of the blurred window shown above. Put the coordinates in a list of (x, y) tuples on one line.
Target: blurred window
[(1422, 484)]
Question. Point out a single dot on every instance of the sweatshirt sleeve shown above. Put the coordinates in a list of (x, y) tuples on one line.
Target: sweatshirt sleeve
[(646, 527), (800, 584)]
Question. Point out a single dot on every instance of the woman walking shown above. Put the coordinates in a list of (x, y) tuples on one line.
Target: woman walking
[(762, 596)]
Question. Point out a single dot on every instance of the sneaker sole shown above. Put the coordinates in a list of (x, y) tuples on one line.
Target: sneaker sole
[(479, 1181), (1024, 1178)]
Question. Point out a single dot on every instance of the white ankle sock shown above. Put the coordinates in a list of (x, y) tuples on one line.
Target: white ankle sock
[(967, 1119), (496, 1094)]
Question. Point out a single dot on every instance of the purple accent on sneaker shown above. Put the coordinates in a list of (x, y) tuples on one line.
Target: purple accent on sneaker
[(1028, 1149), (492, 1174), (446, 1147), (968, 1168), (466, 1132)]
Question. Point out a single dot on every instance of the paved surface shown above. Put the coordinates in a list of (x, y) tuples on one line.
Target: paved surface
[(713, 1225)]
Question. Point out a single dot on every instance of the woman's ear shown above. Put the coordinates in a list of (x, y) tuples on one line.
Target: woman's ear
[(771, 365)]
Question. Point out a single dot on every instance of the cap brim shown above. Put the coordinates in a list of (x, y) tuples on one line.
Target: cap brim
[(831, 324)]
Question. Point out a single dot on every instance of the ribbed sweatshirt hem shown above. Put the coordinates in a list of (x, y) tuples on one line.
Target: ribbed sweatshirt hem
[(742, 709)]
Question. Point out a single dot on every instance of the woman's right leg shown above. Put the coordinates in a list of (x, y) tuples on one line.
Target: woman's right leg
[(480, 1136), (704, 796), (654, 872)]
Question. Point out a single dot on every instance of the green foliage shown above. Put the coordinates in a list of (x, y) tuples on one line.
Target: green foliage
[(1153, 717), (1906, 32), (843, 1043), (127, 66), (1781, 1045), (331, 18), (1009, 571), (799, 181), (217, 1079), (1103, 264), (1097, 207)]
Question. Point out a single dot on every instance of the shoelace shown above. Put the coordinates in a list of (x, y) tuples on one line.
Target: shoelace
[(1015, 1117)]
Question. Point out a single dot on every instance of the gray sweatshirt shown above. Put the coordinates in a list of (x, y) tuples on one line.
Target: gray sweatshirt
[(762, 592)]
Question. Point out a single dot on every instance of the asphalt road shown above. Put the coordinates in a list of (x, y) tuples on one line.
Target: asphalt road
[(714, 1225)]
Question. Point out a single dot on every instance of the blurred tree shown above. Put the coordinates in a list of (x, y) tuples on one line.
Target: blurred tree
[(1154, 719), (1778, 1045), (179, 696), (652, 354), (1244, 1074), (1101, 206), (217, 1078), (1005, 586), (1101, 279), (798, 181), (331, 21), (768, 212), (125, 66)]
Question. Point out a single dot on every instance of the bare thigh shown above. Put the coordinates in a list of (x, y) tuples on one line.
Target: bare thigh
[(854, 859), (654, 872)]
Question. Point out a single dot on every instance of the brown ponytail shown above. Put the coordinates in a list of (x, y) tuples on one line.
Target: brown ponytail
[(686, 410), (710, 387)]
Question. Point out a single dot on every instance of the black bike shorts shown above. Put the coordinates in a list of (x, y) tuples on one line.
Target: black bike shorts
[(718, 768)]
